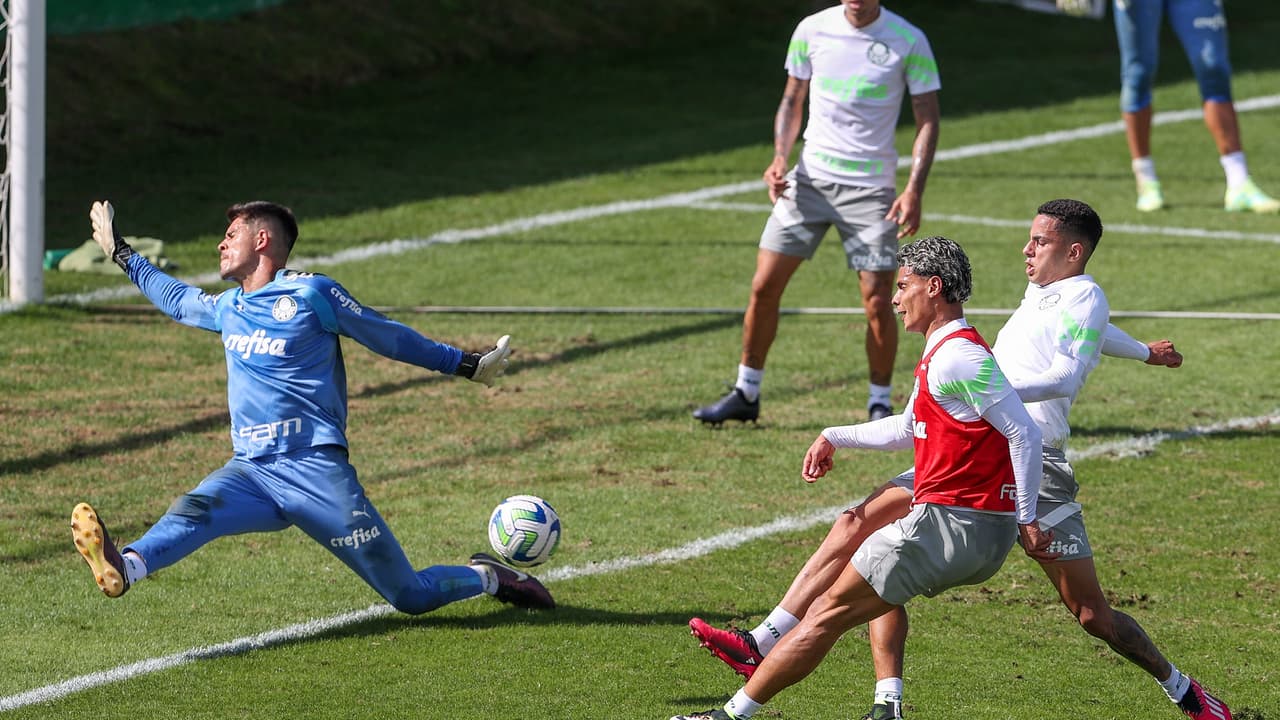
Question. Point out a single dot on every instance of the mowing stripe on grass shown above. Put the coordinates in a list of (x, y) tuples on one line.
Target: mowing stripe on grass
[(398, 247), (1132, 447)]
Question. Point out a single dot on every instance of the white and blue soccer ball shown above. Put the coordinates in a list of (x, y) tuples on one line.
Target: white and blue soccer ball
[(524, 530)]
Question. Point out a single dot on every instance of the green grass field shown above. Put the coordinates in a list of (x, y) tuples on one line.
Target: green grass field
[(124, 408)]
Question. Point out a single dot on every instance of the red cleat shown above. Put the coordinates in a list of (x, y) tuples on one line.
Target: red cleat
[(1199, 704), (735, 648)]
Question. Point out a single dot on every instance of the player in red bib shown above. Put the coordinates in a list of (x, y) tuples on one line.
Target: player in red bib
[(977, 462)]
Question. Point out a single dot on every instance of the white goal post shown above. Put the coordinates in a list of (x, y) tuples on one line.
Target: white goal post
[(22, 132)]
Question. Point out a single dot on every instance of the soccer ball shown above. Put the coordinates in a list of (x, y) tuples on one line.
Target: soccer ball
[(524, 530)]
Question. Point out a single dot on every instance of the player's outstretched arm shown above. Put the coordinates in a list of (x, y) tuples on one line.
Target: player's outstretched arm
[(102, 216), (1118, 343), (487, 366)]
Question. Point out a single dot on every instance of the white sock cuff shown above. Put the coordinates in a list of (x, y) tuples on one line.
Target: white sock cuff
[(1235, 167), (741, 706), (487, 576), (779, 622), (749, 380), (879, 394), (135, 568), (1144, 168), (889, 690), (1177, 684)]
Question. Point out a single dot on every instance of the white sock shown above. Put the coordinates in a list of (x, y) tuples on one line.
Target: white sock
[(135, 568), (749, 380), (772, 628), (1144, 169), (1177, 684), (488, 576), (740, 706), (1234, 165), (889, 690), (878, 395)]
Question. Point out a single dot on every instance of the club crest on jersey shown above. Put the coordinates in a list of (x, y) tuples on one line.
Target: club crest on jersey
[(284, 309), (878, 53), (1050, 301)]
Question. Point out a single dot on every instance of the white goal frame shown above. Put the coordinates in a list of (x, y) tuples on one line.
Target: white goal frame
[(22, 134)]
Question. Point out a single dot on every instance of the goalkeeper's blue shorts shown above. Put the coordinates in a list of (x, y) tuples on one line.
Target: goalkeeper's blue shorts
[(1200, 26), (315, 489)]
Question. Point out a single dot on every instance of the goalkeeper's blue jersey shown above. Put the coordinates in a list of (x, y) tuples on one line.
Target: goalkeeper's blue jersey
[(286, 381)]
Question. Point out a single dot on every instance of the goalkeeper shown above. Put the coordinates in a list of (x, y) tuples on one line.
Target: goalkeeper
[(287, 390)]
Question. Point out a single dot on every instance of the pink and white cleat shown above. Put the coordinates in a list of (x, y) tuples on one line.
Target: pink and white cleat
[(1198, 704), (734, 647)]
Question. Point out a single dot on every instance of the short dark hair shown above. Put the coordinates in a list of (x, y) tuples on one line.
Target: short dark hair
[(939, 257), (1077, 217), (256, 210)]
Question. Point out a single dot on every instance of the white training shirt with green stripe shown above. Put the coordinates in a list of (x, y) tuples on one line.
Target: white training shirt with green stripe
[(857, 78), (1050, 345)]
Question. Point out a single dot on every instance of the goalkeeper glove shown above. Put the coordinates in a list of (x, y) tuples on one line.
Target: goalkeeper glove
[(484, 367), (102, 215)]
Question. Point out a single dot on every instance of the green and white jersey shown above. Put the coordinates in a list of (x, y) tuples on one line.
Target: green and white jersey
[(857, 79), (1050, 345)]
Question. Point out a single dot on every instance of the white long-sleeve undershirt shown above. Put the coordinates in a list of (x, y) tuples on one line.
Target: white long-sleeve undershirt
[(955, 364)]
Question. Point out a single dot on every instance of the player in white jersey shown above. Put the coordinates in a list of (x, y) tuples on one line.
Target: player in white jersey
[(1047, 349), (855, 63)]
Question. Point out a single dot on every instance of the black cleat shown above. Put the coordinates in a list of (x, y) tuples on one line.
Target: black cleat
[(716, 714), (733, 406), (515, 587), (879, 412)]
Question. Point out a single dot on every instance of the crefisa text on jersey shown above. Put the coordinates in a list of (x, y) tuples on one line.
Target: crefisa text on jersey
[(358, 537), (345, 301), (256, 344)]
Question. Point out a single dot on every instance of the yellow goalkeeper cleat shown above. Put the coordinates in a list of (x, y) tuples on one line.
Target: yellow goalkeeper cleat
[(95, 546), (1247, 197)]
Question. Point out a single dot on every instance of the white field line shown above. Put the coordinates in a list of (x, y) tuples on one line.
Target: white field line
[(643, 310), (1123, 228), (398, 247), (1131, 447)]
